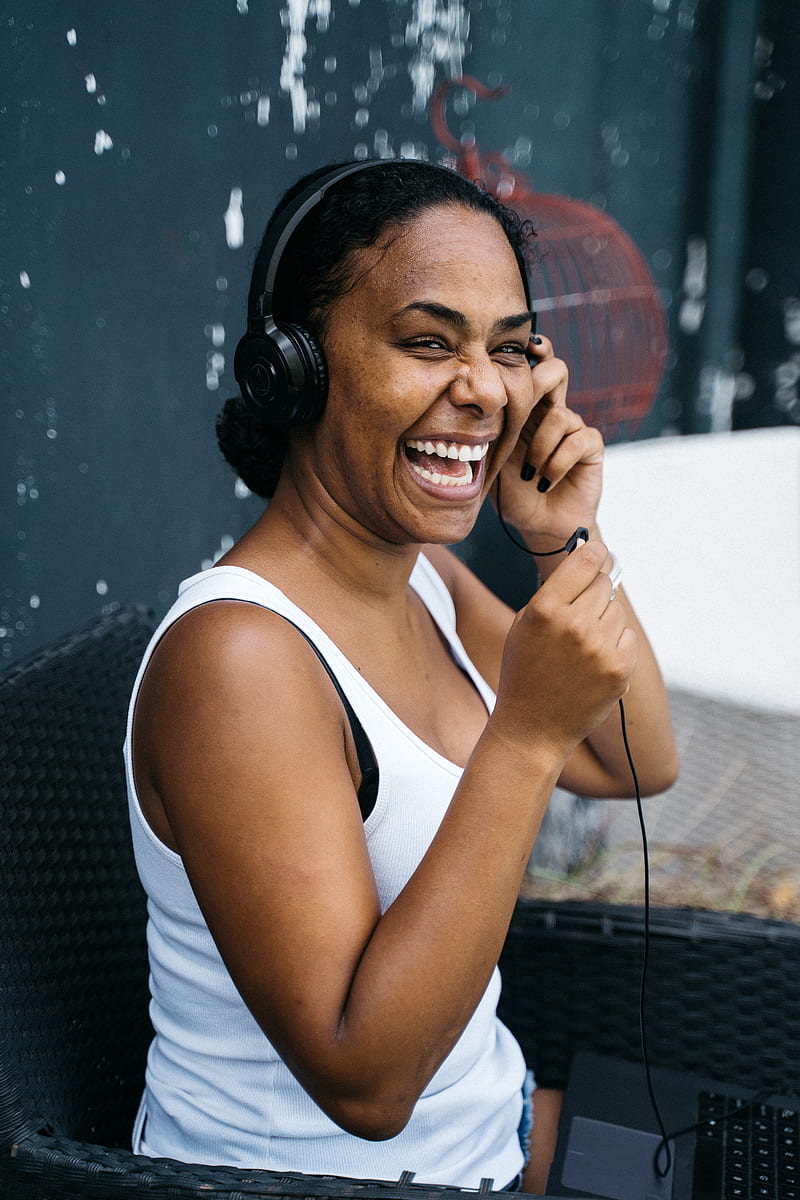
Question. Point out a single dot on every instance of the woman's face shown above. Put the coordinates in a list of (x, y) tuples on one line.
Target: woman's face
[(429, 380)]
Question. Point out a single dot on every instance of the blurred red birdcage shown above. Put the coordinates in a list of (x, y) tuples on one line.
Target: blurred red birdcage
[(592, 290)]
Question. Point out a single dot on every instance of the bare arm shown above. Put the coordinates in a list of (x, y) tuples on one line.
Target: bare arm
[(598, 766)]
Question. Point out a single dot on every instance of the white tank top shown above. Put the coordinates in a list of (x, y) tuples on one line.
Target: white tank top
[(216, 1091)]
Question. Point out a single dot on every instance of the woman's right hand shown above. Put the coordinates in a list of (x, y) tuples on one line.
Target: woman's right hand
[(568, 658)]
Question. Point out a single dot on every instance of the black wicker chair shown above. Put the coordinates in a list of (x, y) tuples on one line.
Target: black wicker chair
[(724, 994)]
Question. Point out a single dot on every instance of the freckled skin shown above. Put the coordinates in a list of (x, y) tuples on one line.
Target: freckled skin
[(381, 393)]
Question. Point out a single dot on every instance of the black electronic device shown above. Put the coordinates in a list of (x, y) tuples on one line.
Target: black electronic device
[(281, 370)]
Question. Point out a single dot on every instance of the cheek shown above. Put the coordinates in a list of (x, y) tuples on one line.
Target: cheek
[(372, 399), (521, 403)]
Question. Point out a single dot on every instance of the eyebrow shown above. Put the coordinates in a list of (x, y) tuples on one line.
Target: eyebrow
[(459, 321)]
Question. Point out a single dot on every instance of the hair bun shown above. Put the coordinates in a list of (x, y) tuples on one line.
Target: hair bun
[(254, 449)]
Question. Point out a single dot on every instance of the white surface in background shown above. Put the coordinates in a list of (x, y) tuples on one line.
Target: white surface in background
[(707, 529)]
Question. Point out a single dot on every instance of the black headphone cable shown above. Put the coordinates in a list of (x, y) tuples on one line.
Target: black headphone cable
[(583, 534)]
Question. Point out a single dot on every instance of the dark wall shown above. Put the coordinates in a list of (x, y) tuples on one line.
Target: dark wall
[(129, 131)]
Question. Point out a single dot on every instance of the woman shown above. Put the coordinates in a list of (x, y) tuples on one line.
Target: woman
[(323, 954)]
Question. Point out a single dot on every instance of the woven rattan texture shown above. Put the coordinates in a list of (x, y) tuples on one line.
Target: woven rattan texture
[(46, 1169), (73, 969), (722, 992)]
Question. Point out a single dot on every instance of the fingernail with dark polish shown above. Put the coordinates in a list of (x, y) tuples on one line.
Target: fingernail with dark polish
[(527, 473), (537, 341), (543, 484)]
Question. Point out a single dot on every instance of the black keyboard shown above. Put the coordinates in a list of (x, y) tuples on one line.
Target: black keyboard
[(746, 1151)]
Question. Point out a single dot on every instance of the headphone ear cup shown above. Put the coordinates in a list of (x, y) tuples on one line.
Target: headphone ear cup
[(282, 375)]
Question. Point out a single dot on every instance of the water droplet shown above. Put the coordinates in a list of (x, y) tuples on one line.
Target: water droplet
[(756, 279), (234, 220), (102, 141)]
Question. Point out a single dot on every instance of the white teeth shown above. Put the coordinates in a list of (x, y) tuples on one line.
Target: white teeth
[(444, 480), (453, 450), (457, 452)]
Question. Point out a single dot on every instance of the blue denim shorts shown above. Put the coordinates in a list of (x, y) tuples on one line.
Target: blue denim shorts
[(524, 1130)]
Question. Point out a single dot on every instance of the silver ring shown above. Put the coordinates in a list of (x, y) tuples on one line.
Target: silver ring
[(615, 576)]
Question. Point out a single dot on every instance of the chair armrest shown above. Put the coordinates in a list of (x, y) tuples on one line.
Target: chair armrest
[(44, 1166), (722, 990)]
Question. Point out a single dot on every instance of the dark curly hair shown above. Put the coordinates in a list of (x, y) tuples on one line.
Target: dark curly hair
[(317, 268)]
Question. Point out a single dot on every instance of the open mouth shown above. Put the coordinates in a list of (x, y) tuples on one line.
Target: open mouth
[(446, 464)]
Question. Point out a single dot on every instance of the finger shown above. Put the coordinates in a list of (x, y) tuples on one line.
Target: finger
[(579, 444), (597, 602), (540, 347), (613, 613), (551, 381), (576, 576), (553, 433), (550, 377)]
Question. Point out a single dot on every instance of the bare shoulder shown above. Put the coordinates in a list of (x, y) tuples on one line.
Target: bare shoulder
[(224, 711), (222, 653), (213, 638)]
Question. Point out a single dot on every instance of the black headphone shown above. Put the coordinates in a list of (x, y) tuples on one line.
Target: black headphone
[(281, 370)]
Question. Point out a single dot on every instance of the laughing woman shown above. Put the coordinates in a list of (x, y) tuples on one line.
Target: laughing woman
[(332, 856)]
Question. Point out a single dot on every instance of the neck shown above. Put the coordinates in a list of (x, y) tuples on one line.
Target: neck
[(304, 538)]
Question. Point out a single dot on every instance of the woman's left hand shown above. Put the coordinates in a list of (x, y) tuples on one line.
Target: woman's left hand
[(565, 455)]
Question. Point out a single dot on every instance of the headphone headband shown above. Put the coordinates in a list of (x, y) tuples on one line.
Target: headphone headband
[(259, 305)]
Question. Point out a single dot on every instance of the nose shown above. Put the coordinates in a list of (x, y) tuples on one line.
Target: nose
[(478, 385)]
